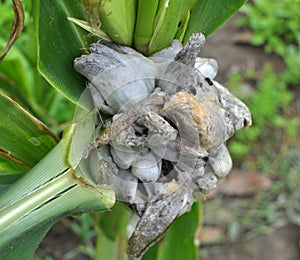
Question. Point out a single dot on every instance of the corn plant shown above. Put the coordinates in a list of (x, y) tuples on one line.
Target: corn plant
[(149, 126)]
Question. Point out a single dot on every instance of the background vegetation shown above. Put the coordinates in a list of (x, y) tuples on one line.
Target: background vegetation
[(267, 154)]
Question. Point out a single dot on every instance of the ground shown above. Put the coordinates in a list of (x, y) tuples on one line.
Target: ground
[(281, 244)]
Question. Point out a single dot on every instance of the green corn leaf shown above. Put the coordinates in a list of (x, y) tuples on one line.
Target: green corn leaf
[(59, 42), (21, 133), (112, 241), (117, 19), (53, 164), (48, 192), (10, 171), (183, 26), (151, 254), (185, 17), (66, 154), (25, 249), (181, 235), (207, 16), (187, 5), (108, 249), (19, 78), (114, 223), (19, 239), (166, 24), (144, 27), (14, 80)]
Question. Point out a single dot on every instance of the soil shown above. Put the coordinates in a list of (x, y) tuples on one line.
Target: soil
[(282, 244), (230, 46), (61, 243)]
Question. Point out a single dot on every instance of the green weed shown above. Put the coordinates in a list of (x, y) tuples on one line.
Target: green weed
[(274, 124), (275, 25), (270, 147)]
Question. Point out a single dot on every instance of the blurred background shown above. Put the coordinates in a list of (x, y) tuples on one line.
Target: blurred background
[(255, 212)]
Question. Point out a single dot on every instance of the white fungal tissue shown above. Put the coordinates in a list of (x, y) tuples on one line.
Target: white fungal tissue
[(169, 121)]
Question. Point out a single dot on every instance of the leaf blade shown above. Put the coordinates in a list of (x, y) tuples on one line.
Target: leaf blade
[(166, 24), (117, 19), (207, 16), (59, 42), (144, 27), (21, 132), (180, 235)]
